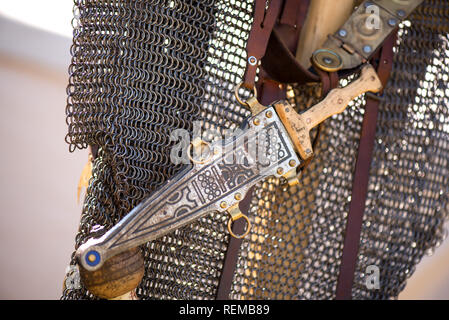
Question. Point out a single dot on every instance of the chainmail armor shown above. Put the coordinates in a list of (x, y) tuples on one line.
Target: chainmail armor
[(141, 69)]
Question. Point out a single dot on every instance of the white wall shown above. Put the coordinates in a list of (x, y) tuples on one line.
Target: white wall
[(38, 176)]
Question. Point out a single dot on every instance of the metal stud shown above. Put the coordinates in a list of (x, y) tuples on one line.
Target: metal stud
[(367, 49), (252, 60), (327, 60), (392, 22), (342, 33)]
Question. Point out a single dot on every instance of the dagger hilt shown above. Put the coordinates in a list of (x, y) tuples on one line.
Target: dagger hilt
[(299, 125)]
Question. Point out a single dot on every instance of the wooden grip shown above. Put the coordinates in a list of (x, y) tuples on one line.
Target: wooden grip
[(299, 125)]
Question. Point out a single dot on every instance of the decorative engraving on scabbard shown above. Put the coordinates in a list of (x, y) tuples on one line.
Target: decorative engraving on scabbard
[(211, 183), (243, 160), (235, 174)]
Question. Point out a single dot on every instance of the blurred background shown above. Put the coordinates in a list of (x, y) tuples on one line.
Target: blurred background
[(39, 176)]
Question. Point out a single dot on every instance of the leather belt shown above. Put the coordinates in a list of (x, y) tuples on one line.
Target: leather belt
[(361, 178)]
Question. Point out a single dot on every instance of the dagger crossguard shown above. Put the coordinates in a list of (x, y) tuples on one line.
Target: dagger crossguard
[(217, 183)]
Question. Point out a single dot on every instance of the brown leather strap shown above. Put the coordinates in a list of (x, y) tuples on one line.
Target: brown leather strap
[(275, 44), (282, 65), (289, 26), (279, 60), (261, 29), (361, 179), (291, 12), (232, 253), (329, 81), (269, 90)]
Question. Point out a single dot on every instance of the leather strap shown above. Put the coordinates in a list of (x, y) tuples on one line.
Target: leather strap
[(290, 24), (232, 253), (279, 60), (361, 178), (282, 65), (269, 90), (275, 44), (291, 12), (262, 26)]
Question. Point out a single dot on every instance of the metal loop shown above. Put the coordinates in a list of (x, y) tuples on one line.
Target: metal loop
[(203, 161), (236, 91), (248, 227)]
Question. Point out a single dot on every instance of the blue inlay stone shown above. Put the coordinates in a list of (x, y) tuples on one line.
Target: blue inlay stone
[(92, 258)]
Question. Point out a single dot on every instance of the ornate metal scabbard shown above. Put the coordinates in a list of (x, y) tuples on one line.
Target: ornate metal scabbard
[(233, 166)]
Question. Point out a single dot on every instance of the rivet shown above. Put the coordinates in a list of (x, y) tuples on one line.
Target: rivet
[(252, 60), (367, 49), (223, 204), (308, 151), (392, 22), (256, 121), (342, 33), (400, 13), (238, 196), (280, 171), (269, 114), (327, 60), (292, 163)]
